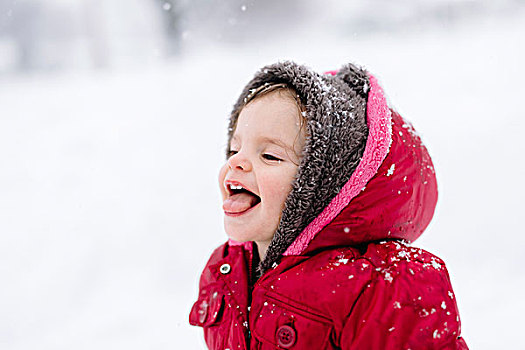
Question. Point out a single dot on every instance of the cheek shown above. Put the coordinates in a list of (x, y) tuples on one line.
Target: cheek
[(278, 188), (222, 176)]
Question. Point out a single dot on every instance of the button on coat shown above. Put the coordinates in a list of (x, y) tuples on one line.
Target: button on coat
[(225, 269), (285, 336)]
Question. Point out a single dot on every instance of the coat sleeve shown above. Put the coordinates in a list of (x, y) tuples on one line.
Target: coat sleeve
[(410, 305)]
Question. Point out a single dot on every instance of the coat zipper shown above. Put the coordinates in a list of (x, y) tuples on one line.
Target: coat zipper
[(250, 290)]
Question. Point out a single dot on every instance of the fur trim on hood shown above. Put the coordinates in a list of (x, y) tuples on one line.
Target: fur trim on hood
[(337, 131)]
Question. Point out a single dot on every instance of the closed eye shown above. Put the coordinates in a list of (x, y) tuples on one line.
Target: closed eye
[(270, 157)]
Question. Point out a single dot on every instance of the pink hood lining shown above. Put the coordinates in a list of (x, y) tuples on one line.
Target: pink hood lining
[(379, 119)]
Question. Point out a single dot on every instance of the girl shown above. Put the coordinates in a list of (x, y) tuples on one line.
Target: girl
[(324, 187)]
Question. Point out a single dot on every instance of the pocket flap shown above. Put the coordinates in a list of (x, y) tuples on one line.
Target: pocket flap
[(283, 326)]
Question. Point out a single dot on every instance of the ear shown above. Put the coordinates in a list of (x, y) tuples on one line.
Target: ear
[(356, 78)]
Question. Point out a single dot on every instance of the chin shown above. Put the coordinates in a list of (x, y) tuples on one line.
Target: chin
[(242, 234), (239, 239), (237, 236)]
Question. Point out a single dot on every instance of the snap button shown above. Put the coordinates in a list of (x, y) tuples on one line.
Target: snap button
[(203, 311), (286, 336), (225, 269)]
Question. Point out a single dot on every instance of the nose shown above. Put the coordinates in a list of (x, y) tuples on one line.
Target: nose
[(239, 161)]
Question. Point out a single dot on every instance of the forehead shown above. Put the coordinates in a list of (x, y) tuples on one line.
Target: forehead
[(274, 114)]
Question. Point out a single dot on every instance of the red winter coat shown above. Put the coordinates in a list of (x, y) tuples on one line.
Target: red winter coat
[(355, 284)]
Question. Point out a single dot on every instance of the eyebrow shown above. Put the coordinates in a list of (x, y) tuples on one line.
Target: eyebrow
[(268, 139), (276, 142)]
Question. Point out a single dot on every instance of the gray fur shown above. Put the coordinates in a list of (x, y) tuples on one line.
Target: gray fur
[(336, 139)]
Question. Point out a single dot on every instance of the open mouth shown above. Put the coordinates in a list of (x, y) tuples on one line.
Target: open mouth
[(240, 200)]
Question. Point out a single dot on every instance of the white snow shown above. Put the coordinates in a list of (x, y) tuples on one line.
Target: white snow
[(390, 171), (435, 264), (109, 205), (388, 277)]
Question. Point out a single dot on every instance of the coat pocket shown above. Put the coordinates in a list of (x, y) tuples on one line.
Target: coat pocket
[(280, 325), (207, 310)]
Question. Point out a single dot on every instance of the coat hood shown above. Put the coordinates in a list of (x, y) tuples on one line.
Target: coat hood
[(364, 173)]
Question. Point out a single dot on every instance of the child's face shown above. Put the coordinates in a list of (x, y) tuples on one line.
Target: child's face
[(264, 145)]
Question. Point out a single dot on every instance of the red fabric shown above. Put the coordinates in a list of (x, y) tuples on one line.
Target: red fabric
[(356, 286)]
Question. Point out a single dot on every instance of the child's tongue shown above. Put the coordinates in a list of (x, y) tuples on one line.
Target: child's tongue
[(239, 202)]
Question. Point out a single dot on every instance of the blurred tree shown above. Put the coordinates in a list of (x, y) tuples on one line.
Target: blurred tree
[(173, 15), (95, 31), (20, 23)]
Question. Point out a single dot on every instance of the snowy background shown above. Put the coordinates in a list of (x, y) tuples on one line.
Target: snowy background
[(112, 129)]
